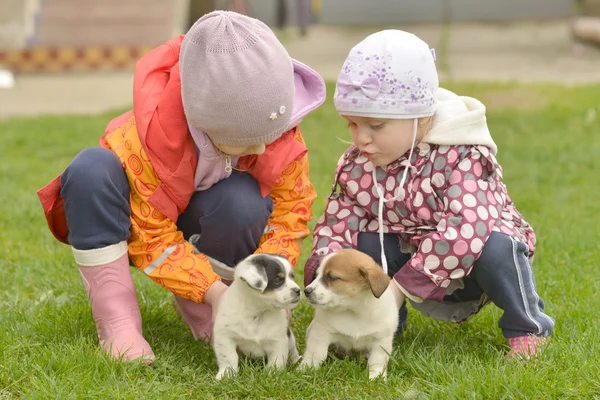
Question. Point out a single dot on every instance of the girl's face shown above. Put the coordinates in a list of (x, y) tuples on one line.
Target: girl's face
[(383, 141), (241, 150)]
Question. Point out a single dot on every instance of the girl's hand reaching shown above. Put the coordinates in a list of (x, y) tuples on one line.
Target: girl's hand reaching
[(213, 296), (398, 295)]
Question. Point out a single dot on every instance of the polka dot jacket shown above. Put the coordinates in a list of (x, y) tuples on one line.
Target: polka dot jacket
[(453, 198)]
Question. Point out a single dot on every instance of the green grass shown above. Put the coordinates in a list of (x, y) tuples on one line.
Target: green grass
[(549, 146)]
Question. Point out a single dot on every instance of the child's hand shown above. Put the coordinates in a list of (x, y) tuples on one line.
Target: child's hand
[(213, 296), (398, 295)]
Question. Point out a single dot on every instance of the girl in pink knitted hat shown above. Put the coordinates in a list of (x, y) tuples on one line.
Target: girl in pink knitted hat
[(421, 191), (211, 150)]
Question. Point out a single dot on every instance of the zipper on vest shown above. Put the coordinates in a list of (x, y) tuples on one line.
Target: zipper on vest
[(228, 167)]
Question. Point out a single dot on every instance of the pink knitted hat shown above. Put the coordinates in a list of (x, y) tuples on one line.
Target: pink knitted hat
[(237, 80)]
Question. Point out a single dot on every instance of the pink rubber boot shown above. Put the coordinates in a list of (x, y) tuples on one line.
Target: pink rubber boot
[(197, 316), (114, 303)]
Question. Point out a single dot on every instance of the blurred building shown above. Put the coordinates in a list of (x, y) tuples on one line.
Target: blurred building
[(373, 12), (56, 35)]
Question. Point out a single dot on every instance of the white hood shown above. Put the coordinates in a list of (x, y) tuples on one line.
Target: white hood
[(459, 120)]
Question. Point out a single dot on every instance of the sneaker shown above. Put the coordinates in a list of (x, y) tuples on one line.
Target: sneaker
[(525, 347)]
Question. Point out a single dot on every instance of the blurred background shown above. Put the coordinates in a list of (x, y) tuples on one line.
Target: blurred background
[(77, 56)]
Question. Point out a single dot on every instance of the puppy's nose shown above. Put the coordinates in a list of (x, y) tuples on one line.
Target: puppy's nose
[(308, 291), (296, 291)]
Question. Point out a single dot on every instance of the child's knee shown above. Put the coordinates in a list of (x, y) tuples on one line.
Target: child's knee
[(244, 206), (499, 250), (368, 243), (93, 168), (232, 205)]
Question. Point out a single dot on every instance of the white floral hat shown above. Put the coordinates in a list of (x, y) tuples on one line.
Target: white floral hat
[(390, 74)]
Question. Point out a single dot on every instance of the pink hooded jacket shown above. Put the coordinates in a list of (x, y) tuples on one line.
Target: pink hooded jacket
[(451, 201)]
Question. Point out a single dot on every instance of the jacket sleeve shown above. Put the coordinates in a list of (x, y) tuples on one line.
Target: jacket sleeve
[(159, 250), (293, 196), (338, 227), (473, 201), (156, 246)]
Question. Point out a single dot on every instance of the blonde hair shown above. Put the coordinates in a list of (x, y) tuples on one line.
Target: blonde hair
[(423, 126)]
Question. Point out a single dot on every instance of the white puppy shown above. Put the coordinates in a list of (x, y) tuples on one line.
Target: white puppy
[(353, 311), (251, 316)]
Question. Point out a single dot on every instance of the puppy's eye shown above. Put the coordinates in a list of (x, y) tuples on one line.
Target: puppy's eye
[(332, 278)]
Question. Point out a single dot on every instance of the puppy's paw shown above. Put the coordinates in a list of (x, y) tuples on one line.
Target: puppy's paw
[(294, 357), (305, 366), (378, 374), (274, 368), (225, 373)]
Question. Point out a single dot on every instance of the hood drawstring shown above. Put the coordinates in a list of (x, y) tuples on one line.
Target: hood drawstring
[(228, 167), (382, 199)]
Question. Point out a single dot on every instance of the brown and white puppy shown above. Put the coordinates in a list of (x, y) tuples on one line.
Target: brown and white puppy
[(353, 310)]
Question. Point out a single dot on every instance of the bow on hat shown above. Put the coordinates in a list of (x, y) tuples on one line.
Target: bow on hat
[(369, 86)]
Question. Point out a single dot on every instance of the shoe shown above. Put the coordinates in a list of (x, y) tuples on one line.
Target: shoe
[(197, 316), (525, 347), (114, 303)]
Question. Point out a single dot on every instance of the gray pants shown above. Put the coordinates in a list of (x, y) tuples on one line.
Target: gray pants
[(231, 215), (502, 274)]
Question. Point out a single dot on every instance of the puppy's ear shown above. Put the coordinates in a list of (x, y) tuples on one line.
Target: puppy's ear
[(255, 276), (377, 279)]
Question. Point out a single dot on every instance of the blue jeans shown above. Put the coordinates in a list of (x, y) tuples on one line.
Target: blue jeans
[(231, 216)]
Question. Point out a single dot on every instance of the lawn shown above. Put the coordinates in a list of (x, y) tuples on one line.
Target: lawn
[(549, 141)]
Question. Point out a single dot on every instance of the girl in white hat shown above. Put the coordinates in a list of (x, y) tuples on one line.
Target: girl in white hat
[(421, 191)]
